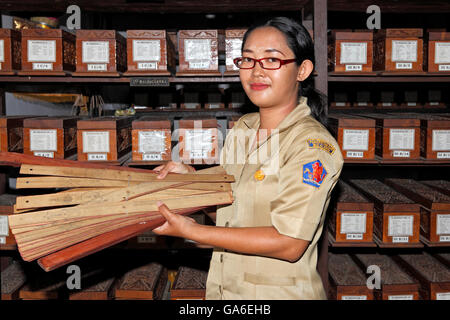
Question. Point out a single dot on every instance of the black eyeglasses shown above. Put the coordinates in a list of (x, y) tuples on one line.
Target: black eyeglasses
[(265, 63)]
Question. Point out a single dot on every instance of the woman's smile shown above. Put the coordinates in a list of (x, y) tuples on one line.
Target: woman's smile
[(258, 86)]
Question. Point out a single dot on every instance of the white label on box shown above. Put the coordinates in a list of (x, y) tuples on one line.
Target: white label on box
[(95, 141), (434, 103), (41, 50), (2, 240), (95, 51), (97, 157), (386, 104), (152, 157), (402, 139), (404, 50), (234, 45), (4, 227), (2, 50), (42, 66), (151, 141), (214, 106), (44, 154), (400, 239), (43, 140), (197, 49), (355, 154), (362, 104), (146, 50), (199, 65), (198, 154), (442, 52), (353, 67), (340, 104), (400, 226), (354, 236), (441, 140), (443, 224), (353, 297), (444, 238), (353, 222), (0, 66), (403, 65), (147, 65), (96, 67), (146, 239), (411, 104), (442, 295), (401, 297), (356, 140), (198, 140), (444, 67), (353, 53), (401, 154), (443, 155)]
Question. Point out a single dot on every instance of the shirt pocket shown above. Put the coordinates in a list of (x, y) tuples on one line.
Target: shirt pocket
[(266, 190)]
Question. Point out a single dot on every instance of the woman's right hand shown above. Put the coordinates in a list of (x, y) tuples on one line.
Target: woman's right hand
[(175, 167)]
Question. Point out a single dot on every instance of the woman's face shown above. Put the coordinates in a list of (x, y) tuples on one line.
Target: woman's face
[(269, 88)]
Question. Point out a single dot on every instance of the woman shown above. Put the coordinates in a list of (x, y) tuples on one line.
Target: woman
[(266, 241)]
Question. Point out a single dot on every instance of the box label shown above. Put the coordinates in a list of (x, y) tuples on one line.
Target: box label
[(404, 50), (402, 139), (44, 154), (152, 157), (444, 238), (146, 50), (96, 67), (41, 50), (400, 226), (442, 52), (442, 295), (152, 141), (198, 142), (95, 141), (441, 140), (2, 240), (353, 53), (355, 154), (197, 52), (233, 48), (353, 67), (43, 140), (42, 66), (95, 52), (403, 65), (444, 67), (97, 157), (443, 155), (354, 236), (401, 297), (355, 140), (2, 50), (147, 66), (400, 239), (4, 226), (443, 224), (353, 222), (401, 154), (353, 297)]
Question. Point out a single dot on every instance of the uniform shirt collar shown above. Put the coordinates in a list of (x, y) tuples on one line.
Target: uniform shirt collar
[(301, 111)]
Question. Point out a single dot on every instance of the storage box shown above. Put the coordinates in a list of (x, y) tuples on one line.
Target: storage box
[(198, 140), (51, 137), (189, 284), (198, 53), (435, 133), (214, 100), (10, 51), (387, 100), (434, 99), (411, 100), (100, 53), (146, 282), (100, 290), (397, 136), (190, 100), (363, 100), (432, 275), (355, 135), (439, 52), (396, 284), (396, 220), (352, 218), (12, 279), (41, 285), (340, 101), (151, 140), (347, 281), (233, 46), (351, 51), (398, 50), (104, 139), (434, 212), (237, 100), (442, 186), (150, 52), (49, 52), (11, 133)]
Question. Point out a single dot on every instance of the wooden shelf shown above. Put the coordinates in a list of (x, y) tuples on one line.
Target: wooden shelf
[(404, 162), (388, 77), (333, 243)]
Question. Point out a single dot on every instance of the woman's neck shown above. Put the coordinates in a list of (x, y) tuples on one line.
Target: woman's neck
[(271, 117)]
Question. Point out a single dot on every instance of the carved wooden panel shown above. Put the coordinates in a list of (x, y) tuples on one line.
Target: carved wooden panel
[(347, 281), (438, 58), (233, 44), (146, 282), (45, 286), (12, 52), (440, 185), (189, 283), (12, 279), (395, 283), (433, 276), (11, 133)]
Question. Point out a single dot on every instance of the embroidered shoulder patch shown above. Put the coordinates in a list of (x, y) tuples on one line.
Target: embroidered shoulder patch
[(320, 144), (314, 173)]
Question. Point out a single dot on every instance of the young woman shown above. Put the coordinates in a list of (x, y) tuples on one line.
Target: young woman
[(266, 241)]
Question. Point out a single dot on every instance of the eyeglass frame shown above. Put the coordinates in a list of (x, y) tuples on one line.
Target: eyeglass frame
[(282, 62)]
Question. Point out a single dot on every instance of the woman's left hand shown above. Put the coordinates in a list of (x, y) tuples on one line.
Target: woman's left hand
[(176, 225)]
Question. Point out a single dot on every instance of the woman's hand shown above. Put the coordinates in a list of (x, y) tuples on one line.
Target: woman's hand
[(176, 225), (171, 166)]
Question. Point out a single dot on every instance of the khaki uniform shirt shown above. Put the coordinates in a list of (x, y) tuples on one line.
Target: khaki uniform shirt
[(286, 183)]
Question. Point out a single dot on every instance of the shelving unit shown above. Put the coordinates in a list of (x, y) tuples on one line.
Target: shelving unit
[(319, 15)]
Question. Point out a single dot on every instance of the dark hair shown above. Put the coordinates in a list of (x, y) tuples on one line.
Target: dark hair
[(301, 44)]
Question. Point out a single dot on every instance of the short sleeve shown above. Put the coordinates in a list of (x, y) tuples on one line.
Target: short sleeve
[(305, 183)]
